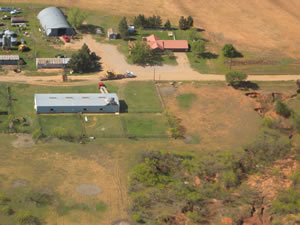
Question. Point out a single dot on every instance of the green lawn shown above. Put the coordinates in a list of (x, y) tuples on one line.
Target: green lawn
[(104, 126), (141, 97), (144, 125), (70, 122)]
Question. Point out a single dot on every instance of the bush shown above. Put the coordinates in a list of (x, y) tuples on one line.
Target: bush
[(235, 78), (282, 109), (36, 134), (7, 210), (40, 199), (296, 122), (287, 202), (27, 218), (59, 132), (175, 129), (4, 200), (230, 179)]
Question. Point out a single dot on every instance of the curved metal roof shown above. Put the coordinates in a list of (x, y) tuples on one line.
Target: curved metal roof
[(53, 18)]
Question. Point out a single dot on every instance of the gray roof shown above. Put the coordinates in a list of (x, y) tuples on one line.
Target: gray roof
[(53, 18), (74, 99), (62, 61), (9, 57)]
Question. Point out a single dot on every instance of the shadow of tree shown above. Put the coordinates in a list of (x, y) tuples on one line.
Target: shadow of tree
[(246, 85), (123, 106), (90, 29)]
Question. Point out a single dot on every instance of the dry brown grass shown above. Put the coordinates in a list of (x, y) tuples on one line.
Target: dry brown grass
[(222, 117), (263, 25)]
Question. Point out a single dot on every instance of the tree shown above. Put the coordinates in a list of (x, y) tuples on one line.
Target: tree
[(230, 52), (139, 21), (198, 48), (76, 17), (190, 21), (123, 28), (141, 54), (282, 109), (235, 78), (297, 121), (168, 25), (182, 23), (84, 60)]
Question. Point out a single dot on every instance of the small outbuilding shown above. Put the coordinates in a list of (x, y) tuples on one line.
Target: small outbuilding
[(17, 19), (112, 34), (51, 63), (54, 22), (9, 59), (6, 9), (76, 103)]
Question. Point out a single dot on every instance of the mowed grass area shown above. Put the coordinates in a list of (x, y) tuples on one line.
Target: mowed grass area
[(136, 97), (149, 125), (141, 97)]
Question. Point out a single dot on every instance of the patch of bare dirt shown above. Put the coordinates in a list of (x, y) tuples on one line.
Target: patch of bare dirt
[(23, 141), (19, 183), (88, 189)]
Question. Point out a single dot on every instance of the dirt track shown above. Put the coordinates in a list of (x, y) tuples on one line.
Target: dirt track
[(112, 59)]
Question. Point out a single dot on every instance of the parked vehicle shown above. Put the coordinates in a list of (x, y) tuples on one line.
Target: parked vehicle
[(66, 38), (6, 17), (129, 74), (14, 12)]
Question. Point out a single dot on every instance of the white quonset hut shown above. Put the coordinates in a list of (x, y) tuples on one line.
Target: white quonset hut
[(51, 62), (54, 22), (75, 103)]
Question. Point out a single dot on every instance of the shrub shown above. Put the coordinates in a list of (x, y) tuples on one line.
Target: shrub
[(100, 206), (27, 218), (4, 200), (282, 109), (59, 132), (230, 179), (235, 78), (267, 122), (175, 129), (40, 199), (287, 202), (297, 121), (137, 218), (7, 210), (36, 134)]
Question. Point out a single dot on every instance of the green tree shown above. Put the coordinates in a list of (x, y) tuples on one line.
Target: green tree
[(183, 23), (168, 25), (141, 54), (139, 21), (230, 52), (123, 28), (287, 202), (190, 22), (84, 60), (235, 78), (282, 109), (198, 47), (76, 17)]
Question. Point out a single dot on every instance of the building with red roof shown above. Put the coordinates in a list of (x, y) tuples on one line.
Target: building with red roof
[(155, 43)]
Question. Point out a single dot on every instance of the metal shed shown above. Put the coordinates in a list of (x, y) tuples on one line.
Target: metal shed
[(51, 62), (9, 59), (112, 34), (76, 103), (54, 22)]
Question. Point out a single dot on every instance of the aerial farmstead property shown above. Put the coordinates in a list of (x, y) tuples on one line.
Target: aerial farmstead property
[(76, 103), (54, 22)]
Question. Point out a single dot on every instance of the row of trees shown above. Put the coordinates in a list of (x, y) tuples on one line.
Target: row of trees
[(186, 23)]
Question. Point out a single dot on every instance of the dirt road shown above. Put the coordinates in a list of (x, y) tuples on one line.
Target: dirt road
[(112, 59)]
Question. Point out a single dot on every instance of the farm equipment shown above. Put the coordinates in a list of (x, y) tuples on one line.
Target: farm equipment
[(23, 48), (110, 75)]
